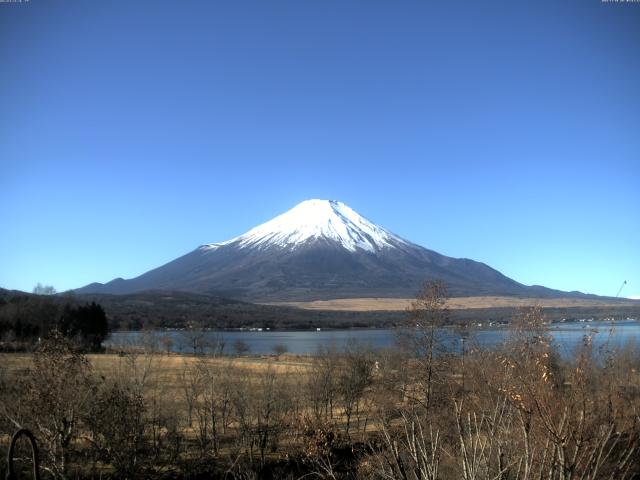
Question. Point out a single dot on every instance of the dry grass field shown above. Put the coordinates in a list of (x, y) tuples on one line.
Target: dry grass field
[(168, 368), (459, 303)]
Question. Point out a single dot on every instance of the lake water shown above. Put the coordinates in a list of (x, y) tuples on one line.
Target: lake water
[(566, 337)]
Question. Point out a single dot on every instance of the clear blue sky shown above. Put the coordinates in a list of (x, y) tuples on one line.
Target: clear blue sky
[(507, 132)]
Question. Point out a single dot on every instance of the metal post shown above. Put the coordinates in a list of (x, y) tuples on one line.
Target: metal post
[(11, 475)]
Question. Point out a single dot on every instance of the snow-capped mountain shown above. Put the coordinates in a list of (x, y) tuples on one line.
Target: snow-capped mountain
[(319, 249), (313, 220)]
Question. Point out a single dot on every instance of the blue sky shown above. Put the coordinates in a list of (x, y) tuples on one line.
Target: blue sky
[(506, 132)]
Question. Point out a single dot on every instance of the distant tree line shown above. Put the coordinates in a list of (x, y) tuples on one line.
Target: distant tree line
[(25, 319), (159, 310)]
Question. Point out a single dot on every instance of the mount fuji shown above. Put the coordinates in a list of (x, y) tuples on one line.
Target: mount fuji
[(319, 250)]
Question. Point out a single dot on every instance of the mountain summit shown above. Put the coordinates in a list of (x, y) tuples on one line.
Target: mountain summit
[(320, 249), (317, 220)]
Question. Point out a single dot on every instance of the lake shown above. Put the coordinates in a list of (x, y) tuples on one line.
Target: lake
[(566, 337)]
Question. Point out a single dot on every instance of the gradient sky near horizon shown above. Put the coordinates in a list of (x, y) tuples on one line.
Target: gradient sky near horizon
[(507, 132)]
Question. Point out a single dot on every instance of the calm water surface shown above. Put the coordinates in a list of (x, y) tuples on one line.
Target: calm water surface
[(566, 337)]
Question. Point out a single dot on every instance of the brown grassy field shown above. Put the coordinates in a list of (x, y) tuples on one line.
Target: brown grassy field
[(167, 368), (459, 303)]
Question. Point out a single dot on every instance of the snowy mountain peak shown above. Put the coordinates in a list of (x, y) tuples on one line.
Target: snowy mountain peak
[(315, 219)]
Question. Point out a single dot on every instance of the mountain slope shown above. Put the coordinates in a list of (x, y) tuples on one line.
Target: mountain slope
[(318, 250)]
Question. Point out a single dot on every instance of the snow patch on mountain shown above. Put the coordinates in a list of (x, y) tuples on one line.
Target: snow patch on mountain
[(314, 220)]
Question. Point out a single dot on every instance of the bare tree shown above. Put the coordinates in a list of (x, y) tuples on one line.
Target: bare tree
[(413, 452), (215, 344), (426, 315), (279, 349), (322, 382), (191, 383), (354, 376), (270, 408), (167, 343), (58, 391), (116, 426), (194, 336), (241, 347), (40, 289), (211, 403)]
